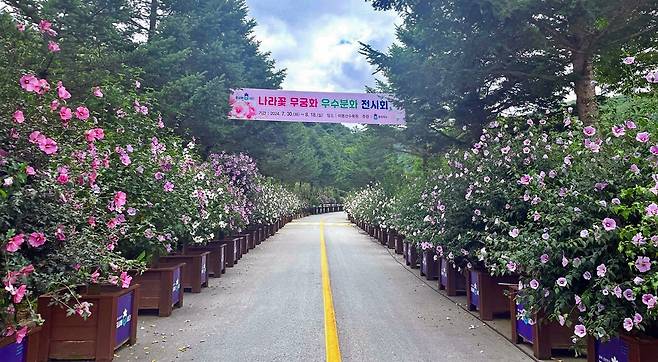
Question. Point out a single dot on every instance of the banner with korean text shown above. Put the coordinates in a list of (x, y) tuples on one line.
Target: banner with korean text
[(295, 106)]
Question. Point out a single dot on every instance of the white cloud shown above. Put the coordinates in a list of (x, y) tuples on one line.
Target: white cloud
[(319, 44)]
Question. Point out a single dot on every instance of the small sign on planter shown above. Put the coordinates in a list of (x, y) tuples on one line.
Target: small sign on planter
[(175, 289), (614, 350), (523, 324), (444, 273), (14, 352), (124, 316), (475, 291), (204, 268)]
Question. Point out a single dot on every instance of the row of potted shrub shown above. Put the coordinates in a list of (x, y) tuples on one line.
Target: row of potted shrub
[(97, 196), (114, 310), (495, 297), (324, 208), (566, 212)]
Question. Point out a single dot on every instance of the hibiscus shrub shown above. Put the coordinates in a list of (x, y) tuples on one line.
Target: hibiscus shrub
[(570, 208), (93, 184)]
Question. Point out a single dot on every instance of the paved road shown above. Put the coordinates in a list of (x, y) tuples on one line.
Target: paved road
[(269, 307)]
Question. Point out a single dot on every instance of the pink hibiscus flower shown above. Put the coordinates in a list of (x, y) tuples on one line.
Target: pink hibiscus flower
[(643, 264), (125, 280), (642, 137), (36, 239), (18, 116), (29, 83), (48, 146), (82, 113), (65, 113), (609, 224), (53, 47), (15, 243)]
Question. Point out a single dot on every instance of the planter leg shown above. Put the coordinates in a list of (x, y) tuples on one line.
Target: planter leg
[(541, 346)]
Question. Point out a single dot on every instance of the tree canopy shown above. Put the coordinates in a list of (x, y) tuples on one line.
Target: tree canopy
[(461, 64)]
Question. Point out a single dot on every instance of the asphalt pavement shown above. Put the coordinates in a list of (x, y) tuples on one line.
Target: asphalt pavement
[(269, 307)]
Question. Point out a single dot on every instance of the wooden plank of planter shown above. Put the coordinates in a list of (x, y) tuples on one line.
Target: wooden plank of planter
[(399, 244), (390, 240), (230, 251), (261, 235), (486, 294), (405, 252), (113, 323), (412, 256), (160, 288), (195, 271), (450, 279), (544, 335), (216, 259), (383, 237), (251, 239), (26, 351), (244, 244), (429, 267)]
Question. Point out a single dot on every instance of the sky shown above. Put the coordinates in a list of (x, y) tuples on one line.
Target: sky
[(317, 41)]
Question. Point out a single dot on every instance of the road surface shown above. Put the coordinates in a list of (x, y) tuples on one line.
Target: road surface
[(269, 307)]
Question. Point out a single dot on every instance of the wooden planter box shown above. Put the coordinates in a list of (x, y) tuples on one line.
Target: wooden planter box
[(544, 335), (195, 271), (624, 348), (390, 240), (261, 235), (26, 351), (486, 294), (216, 261), (383, 237), (451, 280), (371, 230), (243, 244), (113, 322), (399, 244), (238, 248), (230, 250), (160, 288), (256, 236), (411, 256), (251, 239), (428, 266)]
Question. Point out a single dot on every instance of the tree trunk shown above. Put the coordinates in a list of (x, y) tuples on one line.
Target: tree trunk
[(584, 87), (153, 19)]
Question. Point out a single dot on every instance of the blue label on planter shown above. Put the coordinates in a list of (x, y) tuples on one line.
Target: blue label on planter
[(615, 350), (204, 271), (175, 289), (475, 291), (444, 273), (15, 352), (124, 317), (524, 324)]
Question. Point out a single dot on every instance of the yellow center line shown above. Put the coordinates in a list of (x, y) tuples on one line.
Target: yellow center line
[(330, 330), (303, 223)]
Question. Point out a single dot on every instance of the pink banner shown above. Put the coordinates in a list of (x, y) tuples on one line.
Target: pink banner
[(294, 106)]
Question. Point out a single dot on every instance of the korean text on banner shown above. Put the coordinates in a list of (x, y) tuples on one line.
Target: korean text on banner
[(295, 106)]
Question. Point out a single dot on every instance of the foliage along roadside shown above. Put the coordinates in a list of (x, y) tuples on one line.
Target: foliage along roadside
[(94, 185), (571, 209)]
